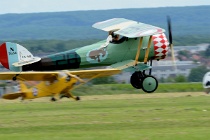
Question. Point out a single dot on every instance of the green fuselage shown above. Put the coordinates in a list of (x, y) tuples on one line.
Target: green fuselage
[(94, 55)]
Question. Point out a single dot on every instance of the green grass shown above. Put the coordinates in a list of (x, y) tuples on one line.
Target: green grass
[(183, 116), (110, 89)]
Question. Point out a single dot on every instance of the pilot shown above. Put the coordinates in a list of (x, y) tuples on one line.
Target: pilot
[(115, 37)]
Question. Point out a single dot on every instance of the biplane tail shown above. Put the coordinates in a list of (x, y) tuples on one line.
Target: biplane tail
[(13, 56), (16, 91)]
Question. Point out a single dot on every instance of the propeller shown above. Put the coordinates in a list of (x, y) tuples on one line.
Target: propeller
[(171, 40)]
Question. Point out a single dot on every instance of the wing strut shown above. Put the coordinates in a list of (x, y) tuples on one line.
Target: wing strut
[(147, 51), (84, 82), (138, 51)]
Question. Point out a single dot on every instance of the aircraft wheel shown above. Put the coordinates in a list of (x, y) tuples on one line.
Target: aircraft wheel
[(14, 78), (77, 98), (136, 80), (53, 99), (149, 84)]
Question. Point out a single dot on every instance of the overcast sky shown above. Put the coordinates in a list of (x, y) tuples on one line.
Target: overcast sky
[(34, 6)]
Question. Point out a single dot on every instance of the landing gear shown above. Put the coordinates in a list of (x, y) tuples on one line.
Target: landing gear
[(149, 84), (145, 82), (15, 77), (69, 95), (77, 98), (53, 99), (136, 80)]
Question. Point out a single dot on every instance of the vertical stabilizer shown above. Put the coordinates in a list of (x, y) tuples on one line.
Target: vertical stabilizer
[(11, 53)]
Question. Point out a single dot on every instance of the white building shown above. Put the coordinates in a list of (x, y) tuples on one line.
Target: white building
[(163, 69), (167, 69)]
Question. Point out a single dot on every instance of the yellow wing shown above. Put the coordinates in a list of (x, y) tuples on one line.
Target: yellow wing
[(29, 76), (95, 73), (52, 75)]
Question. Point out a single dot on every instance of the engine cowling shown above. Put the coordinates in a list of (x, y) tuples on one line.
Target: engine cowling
[(160, 46)]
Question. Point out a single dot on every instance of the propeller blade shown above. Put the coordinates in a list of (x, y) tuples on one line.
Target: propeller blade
[(171, 42), (169, 29), (173, 56)]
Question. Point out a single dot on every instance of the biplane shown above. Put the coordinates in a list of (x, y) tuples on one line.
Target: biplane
[(130, 46), (206, 82)]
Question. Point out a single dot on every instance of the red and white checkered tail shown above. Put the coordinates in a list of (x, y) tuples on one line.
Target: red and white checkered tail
[(160, 46)]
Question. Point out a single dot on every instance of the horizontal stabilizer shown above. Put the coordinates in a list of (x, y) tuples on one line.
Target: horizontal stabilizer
[(26, 62), (12, 96)]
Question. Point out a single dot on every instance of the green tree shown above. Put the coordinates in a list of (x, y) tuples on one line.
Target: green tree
[(207, 52), (162, 80), (196, 74), (180, 78)]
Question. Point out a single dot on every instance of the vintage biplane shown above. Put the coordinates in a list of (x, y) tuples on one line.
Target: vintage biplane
[(206, 82), (130, 46)]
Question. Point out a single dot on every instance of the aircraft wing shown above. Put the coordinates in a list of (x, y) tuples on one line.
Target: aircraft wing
[(52, 75), (128, 66), (95, 73), (113, 24), (139, 30), (29, 76), (128, 28)]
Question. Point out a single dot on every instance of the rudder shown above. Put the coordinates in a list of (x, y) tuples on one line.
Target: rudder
[(11, 53)]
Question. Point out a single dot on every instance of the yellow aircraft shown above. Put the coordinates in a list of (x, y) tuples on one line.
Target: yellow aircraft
[(53, 84)]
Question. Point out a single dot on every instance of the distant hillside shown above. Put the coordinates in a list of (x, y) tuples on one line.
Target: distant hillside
[(188, 22)]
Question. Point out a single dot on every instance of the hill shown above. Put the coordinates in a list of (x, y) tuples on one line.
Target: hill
[(188, 22)]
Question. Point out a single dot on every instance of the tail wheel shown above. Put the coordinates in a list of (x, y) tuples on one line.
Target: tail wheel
[(136, 80), (149, 84), (53, 99)]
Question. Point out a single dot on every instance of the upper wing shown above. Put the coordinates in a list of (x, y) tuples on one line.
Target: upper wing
[(140, 30), (50, 76), (113, 24), (128, 28)]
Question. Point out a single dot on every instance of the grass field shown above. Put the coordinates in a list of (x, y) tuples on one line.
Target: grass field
[(111, 89), (159, 116)]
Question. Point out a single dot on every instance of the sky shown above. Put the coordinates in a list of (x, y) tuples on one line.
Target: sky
[(36, 6)]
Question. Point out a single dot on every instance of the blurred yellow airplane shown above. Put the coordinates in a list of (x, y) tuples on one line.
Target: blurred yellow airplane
[(52, 84)]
